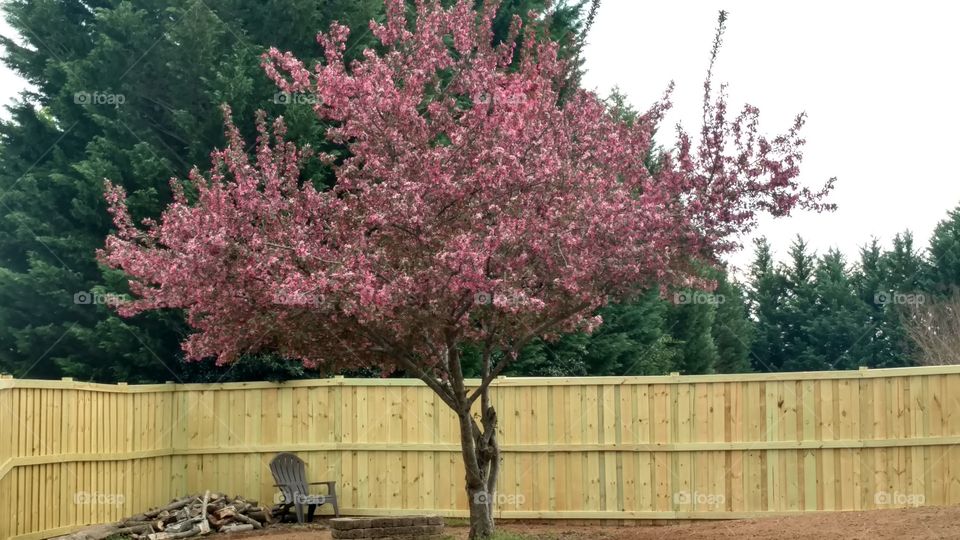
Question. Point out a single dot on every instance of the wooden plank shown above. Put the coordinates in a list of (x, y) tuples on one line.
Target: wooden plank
[(7, 422), (681, 465), (7, 502), (771, 401)]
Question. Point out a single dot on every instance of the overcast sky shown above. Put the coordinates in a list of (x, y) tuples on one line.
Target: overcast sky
[(879, 81)]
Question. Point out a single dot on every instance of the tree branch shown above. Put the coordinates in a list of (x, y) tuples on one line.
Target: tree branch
[(515, 350), (408, 363)]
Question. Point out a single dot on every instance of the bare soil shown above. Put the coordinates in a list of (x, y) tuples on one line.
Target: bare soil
[(899, 524)]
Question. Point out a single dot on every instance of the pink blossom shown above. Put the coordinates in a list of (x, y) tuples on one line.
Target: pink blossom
[(477, 182)]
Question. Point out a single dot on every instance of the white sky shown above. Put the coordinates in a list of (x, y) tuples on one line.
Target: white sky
[(879, 81), (10, 83)]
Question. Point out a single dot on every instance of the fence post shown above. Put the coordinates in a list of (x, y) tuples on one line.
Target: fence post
[(7, 453)]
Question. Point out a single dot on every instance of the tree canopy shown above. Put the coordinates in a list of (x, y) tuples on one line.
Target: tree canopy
[(481, 201)]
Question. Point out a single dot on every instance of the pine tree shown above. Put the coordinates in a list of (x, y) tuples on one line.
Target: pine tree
[(129, 92), (904, 267), (691, 325), (944, 256), (906, 275), (132, 92), (634, 339), (838, 321), (733, 330), (765, 297), (870, 283), (800, 299)]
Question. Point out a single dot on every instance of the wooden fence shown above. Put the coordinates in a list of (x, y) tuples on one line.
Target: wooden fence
[(721, 446)]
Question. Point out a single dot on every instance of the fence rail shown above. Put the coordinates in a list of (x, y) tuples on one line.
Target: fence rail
[(720, 446)]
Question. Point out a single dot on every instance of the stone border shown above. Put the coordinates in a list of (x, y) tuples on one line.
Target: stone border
[(395, 528)]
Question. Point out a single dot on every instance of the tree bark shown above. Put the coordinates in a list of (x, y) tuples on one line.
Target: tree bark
[(478, 442), (481, 457)]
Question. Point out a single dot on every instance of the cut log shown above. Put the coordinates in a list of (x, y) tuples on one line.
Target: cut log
[(206, 501), (225, 512), (184, 525), (155, 524), (175, 505), (250, 521), (236, 527), (259, 515), (135, 529), (173, 536)]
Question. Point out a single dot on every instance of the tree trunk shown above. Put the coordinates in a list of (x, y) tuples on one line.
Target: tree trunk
[(481, 517), (481, 457)]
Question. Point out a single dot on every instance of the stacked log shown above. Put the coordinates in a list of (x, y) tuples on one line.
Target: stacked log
[(194, 515)]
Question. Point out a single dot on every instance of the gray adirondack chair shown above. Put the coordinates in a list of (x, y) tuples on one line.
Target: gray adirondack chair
[(290, 475)]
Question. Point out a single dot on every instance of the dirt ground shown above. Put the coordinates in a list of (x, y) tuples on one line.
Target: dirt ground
[(900, 524)]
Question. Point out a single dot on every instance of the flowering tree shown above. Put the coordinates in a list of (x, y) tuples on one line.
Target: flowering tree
[(475, 206)]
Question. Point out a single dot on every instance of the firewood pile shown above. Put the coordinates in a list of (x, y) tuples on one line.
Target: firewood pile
[(194, 515)]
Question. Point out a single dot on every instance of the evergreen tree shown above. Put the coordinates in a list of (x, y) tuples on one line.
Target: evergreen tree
[(883, 282), (132, 92), (562, 358), (944, 256), (799, 301), (836, 324), (733, 329), (692, 319), (870, 283), (906, 276), (634, 339), (765, 297), (904, 268), (129, 92)]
